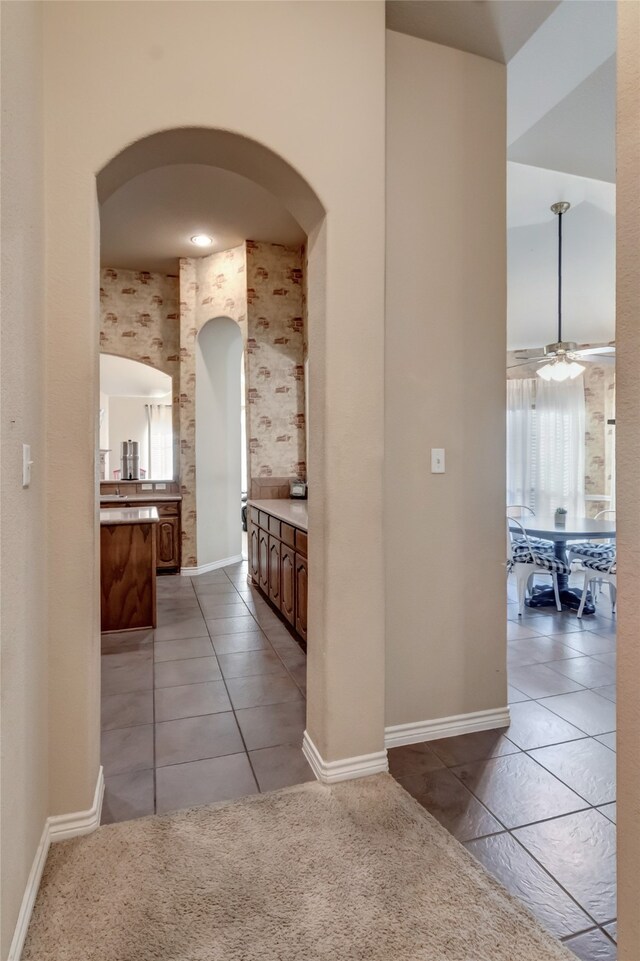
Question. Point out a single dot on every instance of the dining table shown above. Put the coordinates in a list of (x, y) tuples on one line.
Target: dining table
[(546, 527)]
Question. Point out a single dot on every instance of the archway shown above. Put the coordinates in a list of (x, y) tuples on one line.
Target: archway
[(218, 443)]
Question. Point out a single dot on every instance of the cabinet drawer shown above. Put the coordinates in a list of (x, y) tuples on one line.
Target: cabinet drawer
[(255, 515), (168, 510), (301, 542), (287, 534), (263, 520), (274, 526)]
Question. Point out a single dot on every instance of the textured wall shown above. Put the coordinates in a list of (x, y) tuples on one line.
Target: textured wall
[(275, 361), (210, 287), (139, 319), (261, 287), (24, 678)]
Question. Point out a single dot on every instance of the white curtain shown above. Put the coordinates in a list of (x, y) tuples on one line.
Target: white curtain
[(560, 426), (521, 442), (159, 419)]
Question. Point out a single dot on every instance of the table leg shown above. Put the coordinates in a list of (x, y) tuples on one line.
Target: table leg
[(569, 597)]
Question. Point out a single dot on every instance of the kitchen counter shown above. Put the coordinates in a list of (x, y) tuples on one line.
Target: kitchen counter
[(128, 515), (289, 510), (139, 498)]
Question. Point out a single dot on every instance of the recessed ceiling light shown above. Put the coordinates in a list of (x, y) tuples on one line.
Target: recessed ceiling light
[(202, 240)]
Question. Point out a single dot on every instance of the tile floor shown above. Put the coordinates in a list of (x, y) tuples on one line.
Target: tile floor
[(208, 707), (211, 707), (535, 803)]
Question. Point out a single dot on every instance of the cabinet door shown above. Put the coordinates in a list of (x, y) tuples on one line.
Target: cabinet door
[(274, 571), (167, 540), (254, 563), (263, 561), (287, 583), (302, 578)]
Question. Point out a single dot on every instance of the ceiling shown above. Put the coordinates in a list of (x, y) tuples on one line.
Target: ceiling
[(147, 223), (495, 29), (121, 377), (560, 59)]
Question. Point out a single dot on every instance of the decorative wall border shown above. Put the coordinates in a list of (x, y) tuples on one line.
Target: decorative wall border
[(58, 827)]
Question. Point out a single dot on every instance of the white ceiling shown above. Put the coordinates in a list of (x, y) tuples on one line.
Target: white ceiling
[(147, 223), (120, 377)]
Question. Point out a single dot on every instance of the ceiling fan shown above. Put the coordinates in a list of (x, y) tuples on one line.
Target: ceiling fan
[(560, 360)]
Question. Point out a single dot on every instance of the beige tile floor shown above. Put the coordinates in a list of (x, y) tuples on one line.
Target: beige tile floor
[(209, 707), (535, 803)]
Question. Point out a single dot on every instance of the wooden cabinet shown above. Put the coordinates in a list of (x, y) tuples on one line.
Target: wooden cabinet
[(127, 576), (167, 533), (301, 585), (254, 564), (287, 583), (263, 561), (274, 571), (278, 566)]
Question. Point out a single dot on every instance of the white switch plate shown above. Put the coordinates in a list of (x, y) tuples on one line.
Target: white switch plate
[(437, 460), (26, 465)]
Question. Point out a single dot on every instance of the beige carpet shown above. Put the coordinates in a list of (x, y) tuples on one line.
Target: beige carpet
[(355, 871)]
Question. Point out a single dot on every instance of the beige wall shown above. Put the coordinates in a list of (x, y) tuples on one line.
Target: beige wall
[(444, 382), (628, 475), (23, 619), (325, 63)]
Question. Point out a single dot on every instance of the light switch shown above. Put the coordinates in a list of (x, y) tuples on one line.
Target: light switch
[(437, 460), (26, 465)]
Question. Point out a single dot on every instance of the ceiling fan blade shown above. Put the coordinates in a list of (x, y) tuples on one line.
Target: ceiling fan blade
[(531, 353), (596, 351), (526, 363)]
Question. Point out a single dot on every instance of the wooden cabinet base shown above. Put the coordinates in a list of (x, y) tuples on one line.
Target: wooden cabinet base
[(278, 567), (127, 577)]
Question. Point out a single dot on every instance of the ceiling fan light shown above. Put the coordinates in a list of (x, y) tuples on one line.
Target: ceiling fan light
[(545, 372), (560, 370)]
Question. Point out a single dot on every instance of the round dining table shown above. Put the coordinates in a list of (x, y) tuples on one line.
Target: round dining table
[(574, 529)]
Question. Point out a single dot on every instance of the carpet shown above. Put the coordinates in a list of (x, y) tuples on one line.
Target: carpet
[(312, 873)]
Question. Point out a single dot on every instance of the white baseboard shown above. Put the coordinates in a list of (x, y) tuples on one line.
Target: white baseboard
[(344, 770), (59, 827), (418, 731), (213, 566), (63, 826)]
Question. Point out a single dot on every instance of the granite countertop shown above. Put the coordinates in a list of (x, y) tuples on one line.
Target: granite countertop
[(289, 510), (138, 498), (128, 515)]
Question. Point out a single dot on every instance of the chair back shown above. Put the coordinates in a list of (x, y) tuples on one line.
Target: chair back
[(518, 510), (520, 533)]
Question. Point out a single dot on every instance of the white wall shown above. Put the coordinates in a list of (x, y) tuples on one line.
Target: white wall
[(218, 474), (444, 382), (128, 421), (24, 778)]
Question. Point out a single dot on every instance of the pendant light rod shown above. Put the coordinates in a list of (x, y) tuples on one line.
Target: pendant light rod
[(560, 208)]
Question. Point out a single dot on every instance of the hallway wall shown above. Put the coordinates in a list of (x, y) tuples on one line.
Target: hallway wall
[(23, 577), (444, 382), (336, 54)]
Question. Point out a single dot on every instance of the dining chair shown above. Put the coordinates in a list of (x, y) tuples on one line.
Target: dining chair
[(602, 569), (595, 549), (526, 560), (516, 512)]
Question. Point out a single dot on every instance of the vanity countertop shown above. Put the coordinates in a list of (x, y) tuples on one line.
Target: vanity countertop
[(128, 515), (289, 510), (139, 498)]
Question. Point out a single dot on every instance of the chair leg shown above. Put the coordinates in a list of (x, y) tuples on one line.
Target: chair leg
[(522, 581), (613, 591), (584, 594), (554, 578)]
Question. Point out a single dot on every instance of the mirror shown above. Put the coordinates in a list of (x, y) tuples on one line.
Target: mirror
[(135, 405)]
